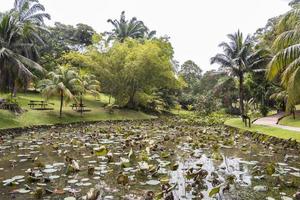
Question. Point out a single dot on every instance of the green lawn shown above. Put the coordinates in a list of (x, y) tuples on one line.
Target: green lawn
[(34, 117), (290, 121), (267, 130)]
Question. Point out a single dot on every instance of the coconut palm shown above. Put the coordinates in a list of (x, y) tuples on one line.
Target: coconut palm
[(129, 29), (19, 31), (30, 11), (30, 16), (62, 82), (12, 62), (239, 58), (286, 63)]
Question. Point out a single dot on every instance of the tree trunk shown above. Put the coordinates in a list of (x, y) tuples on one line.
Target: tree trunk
[(131, 103), (241, 94), (110, 94), (81, 103), (61, 103), (15, 89)]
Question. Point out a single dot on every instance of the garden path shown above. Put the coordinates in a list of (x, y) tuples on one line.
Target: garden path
[(272, 121)]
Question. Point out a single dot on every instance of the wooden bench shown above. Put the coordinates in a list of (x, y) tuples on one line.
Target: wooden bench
[(76, 106), (81, 108)]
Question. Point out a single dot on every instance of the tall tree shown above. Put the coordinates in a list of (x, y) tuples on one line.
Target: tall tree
[(19, 33), (129, 29), (63, 39), (132, 70), (238, 58), (30, 11), (13, 64), (191, 73), (286, 63)]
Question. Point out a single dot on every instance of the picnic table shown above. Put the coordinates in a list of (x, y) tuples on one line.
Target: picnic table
[(43, 105), (81, 108), (76, 106)]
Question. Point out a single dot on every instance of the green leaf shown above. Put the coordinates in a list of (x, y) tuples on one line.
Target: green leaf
[(102, 151), (131, 155), (270, 168), (214, 191)]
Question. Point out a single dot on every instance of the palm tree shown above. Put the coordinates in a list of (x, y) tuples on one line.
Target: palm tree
[(12, 63), (88, 84), (30, 11), (30, 15), (19, 31), (62, 82), (239, 58), (286, 63), (129, 29)]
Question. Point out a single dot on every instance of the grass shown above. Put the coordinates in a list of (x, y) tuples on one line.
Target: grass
[(34, 117), (267, 130), (290, 121)]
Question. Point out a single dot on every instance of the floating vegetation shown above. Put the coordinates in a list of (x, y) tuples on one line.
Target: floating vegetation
[(159, 159)]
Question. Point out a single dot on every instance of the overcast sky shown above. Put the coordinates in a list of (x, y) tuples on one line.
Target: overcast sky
[(196, 27)]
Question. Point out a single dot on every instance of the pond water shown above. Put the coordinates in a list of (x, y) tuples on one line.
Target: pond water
[(160, 159)]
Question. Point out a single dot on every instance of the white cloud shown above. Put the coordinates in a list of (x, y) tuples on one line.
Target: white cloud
[(196, 27)]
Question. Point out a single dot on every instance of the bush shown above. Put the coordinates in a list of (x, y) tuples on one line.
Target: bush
[(206, 104), (264, 110)]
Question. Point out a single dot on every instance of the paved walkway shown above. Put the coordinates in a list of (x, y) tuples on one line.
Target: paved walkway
[(272, 121)]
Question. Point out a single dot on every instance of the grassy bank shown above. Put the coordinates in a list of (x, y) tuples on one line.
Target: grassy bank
[(35, 117), (267, 130), (290, 121)]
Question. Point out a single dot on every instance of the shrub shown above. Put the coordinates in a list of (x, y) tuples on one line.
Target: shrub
[(264, 110), (206, 104)]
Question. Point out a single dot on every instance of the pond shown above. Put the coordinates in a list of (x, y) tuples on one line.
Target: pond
[(158, 159)]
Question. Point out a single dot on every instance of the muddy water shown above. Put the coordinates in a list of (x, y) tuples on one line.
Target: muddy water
[(130, 160)]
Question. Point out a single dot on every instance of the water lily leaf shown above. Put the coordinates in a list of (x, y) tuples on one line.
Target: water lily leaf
[(38, 194), (148, 150), (175, 166), (101, 151), (159, 196), (143, 156), (260, 188), (131, 155), (125, 163), (143, 165), (214, 191), (164, 180), (122, 179), (270, 168), (153, 182), (23, 191), (72, 181), (70, 198), (164, 154), (230, 179), (49, 170), (217, 156)]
